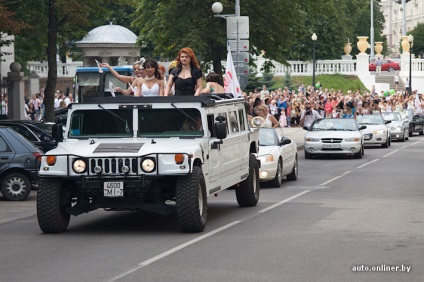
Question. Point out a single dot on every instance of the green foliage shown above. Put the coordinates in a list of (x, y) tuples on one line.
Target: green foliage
[(418, 33)]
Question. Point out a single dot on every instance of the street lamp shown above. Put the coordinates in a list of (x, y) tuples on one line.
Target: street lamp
[(314, 39), (410, 40)]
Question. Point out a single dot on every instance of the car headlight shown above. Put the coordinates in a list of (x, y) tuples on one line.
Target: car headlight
[(266, 158), (381, 131), (397, 128), (148, 165), (355, 139), (310, 139), (79, 166)]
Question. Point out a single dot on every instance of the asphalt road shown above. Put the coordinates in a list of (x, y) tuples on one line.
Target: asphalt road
[(339, 215)]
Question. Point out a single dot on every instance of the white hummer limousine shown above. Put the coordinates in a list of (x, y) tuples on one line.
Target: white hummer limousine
[(159, 154)]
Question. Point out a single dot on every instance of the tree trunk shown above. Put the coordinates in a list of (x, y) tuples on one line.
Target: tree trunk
[(52, 63)]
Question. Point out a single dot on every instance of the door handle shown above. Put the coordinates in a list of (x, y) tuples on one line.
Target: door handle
[(4, 157)]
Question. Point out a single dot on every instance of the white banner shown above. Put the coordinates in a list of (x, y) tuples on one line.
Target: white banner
[(231, 83)]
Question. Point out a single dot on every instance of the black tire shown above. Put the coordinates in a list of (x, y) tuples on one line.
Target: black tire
[(247, 193), (403, 137), (421, 132), (410, 133), (386, 145), (390, 140), (293, 175), (276, 182), (363, 149), (51, 206), (191, 201), (307, 155), (15, 187), (360, 153)]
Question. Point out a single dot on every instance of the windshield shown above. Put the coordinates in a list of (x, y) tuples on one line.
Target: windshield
[(370, 119), (392, 116), (267, 137), (103, 123), (181, 122), (338, 124)]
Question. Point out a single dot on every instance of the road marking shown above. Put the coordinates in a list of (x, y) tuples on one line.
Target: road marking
[(284, 201), (365, 164), (335, 178), (390, 153), (173, 250)]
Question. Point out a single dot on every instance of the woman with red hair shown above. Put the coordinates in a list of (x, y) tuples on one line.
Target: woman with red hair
[(186, 77)]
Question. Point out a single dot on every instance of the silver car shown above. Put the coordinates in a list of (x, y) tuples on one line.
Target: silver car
[(339, 136), (376, 133), (399, 127)]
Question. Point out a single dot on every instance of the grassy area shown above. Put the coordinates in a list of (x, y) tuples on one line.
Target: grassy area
[(333, 81)]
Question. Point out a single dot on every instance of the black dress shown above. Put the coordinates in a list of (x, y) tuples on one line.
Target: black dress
[(186, 87)]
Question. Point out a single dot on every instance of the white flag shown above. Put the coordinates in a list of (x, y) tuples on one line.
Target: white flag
[(111, 88), (418, 109), (231, 83), (98, 65), (133, 89)]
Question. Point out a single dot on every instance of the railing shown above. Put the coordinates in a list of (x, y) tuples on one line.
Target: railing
[(63, 69)]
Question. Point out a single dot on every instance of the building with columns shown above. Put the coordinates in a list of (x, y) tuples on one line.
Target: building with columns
[(394, 16), (113, 44)]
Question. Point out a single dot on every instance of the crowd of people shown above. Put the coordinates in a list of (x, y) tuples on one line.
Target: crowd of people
[(296, 108), (34, 108)]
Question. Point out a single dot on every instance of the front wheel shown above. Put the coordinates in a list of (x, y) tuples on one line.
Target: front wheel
[(360, 153), (278, 175), (386, 145), (293, 175), (52, 203), (191, 201), (247, 193), (15, 187)]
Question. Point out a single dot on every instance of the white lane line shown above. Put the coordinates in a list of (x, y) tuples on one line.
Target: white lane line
[(368, 163), (335, 178), (173, 250), (284, 201), (390, 153)]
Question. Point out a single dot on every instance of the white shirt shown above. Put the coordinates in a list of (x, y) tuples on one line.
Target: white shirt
[(309, 119)]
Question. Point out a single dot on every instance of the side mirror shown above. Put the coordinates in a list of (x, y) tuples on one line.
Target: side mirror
[(57, 130), (285, 141), (362, 127), (387, 121), (306, 128), (221, 127)]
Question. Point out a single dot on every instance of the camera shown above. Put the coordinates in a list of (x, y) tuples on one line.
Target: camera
[(308, 112)]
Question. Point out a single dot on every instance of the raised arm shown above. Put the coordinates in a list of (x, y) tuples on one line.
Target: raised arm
[(123, 78)]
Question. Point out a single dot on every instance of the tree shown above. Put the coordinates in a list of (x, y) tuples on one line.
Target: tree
[(418, 33), (63, 20)]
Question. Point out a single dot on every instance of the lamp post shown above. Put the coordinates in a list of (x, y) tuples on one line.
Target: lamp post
[(410, 40), (314, 39)]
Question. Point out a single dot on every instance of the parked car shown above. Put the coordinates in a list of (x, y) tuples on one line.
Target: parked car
[(387, 65), (399, 128), (37, 132), (335, 136), (416, 122), (376, 132), (278, 156), (18, 159)]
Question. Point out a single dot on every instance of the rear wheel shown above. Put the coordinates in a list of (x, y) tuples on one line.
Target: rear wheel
[(276, 182), (191, 201), (51, 206), (293, 175), (247, 193), (15, 187)]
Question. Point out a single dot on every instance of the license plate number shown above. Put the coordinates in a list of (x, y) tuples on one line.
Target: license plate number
[(331, 146), (367, 137), (113, 189)]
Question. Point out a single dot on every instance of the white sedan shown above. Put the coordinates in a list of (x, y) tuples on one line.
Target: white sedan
[(335, 136), (278, 157), (376, 132)]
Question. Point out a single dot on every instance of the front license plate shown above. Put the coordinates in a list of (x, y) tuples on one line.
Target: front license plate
[(113, 189), (367, 137), (331, 146)]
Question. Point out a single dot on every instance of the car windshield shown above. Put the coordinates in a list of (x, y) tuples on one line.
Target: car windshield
[(268, 137), (369, 119), (47, 127), (392, 116), (104, 123), (337, 124)]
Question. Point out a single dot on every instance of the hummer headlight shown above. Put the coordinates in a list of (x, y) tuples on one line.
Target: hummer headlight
[(148, 165), (79, 166)]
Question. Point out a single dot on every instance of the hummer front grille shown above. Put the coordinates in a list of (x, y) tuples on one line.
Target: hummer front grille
[(113, 166)]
